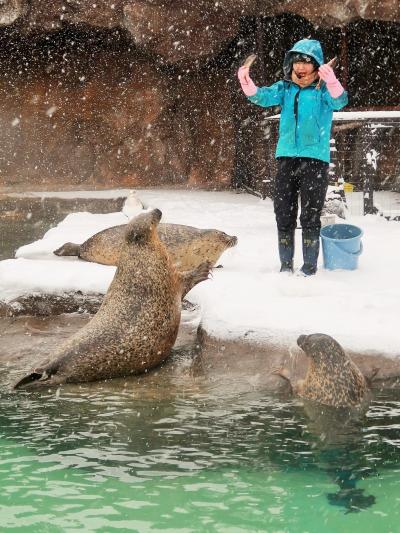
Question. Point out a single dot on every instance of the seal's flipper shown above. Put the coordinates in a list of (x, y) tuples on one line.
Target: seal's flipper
[(37, 375), (69, 248), (284, 374), (193, 277)]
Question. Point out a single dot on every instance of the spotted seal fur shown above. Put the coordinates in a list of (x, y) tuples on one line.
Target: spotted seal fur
[(187, 246), (332, 378), (137, 323)]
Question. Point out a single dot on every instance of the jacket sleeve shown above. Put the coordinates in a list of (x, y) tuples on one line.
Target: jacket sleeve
[(268, 96), (335, 103)]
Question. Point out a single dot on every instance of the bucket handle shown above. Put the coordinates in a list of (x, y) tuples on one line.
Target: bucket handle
[(360, 251)]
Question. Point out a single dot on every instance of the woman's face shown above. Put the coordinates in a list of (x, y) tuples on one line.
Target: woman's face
[(303, 69)]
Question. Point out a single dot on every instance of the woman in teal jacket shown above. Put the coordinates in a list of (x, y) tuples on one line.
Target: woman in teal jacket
[(303, 149)]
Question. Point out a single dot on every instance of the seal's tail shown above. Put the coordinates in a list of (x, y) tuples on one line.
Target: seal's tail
[(69, 248), (38, 374)]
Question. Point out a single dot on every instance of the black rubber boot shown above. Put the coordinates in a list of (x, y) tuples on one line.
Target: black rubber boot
[(286, 250), (310, 252)]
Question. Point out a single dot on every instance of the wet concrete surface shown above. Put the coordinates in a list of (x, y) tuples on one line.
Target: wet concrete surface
[(255, 362), (27, 341)]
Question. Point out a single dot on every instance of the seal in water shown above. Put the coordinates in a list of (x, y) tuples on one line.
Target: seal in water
[(137, 323), (187, 246), (332, 378)]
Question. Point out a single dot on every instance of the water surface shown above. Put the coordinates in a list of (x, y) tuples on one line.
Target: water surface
[(190, 455)]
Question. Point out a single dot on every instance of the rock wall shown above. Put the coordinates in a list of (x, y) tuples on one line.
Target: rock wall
[(140, 93)]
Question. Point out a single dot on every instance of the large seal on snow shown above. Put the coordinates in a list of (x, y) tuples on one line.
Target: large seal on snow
[(137, 323), (332, 378), (187, 246)]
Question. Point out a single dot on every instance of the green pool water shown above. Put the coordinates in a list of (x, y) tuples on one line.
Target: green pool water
[(194, 459)]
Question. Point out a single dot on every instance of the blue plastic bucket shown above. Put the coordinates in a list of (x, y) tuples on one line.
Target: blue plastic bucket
[(341, 246)]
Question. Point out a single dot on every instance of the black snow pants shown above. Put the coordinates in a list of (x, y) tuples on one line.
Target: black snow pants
[(306, 176)]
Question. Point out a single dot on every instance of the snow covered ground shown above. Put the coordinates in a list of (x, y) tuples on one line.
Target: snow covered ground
[(248, 297)]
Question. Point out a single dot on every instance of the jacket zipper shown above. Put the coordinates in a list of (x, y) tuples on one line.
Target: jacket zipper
[(296, 114), (296, 106)]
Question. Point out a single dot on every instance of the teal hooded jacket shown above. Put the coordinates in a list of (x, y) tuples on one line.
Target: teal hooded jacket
[(306, 113)]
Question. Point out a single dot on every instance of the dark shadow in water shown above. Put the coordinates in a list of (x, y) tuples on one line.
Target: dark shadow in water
[(353, 500), (339, 433), (346, 476)]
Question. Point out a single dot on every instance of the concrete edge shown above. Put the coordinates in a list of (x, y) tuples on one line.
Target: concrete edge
[(263, 356)]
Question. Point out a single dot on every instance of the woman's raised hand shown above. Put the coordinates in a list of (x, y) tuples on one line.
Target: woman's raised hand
[(248, 86)]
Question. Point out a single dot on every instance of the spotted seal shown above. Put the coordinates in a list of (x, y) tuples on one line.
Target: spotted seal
[(187, 246), (332, 378), (137, 323)]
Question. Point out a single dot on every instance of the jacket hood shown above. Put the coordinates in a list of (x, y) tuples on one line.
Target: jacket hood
[(311, 47)]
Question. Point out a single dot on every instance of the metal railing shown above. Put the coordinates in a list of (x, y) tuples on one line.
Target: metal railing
[(365, 152)]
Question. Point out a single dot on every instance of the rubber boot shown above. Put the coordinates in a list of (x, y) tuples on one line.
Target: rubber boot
[(286, 250), (310, 252)]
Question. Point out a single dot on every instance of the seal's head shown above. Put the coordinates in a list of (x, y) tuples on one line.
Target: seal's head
[(141, 229), (228, 240), (322, 348)]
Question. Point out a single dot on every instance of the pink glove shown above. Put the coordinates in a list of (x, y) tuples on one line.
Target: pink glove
[(248, 86), (333, 85)]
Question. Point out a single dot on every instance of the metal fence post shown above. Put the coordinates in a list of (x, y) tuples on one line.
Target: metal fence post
[(368, 171)]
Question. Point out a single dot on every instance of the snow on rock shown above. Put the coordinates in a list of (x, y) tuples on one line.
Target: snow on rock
[(22, 276)]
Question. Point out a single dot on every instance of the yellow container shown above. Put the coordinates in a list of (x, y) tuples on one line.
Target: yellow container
[(348, 187)]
